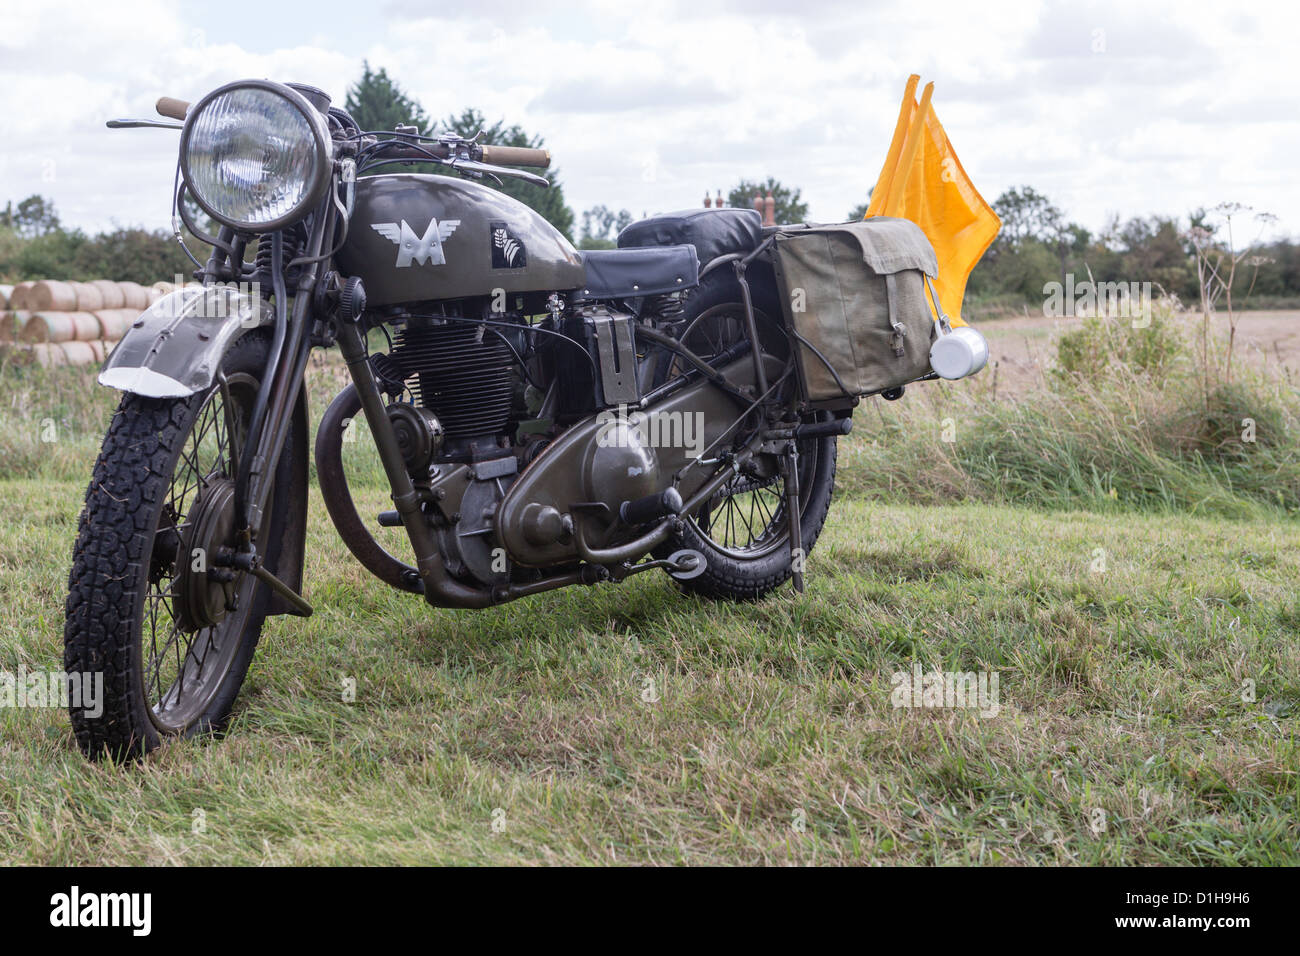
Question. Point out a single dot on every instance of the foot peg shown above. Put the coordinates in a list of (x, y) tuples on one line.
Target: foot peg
[(650, 508), (836, 427), (686, 564)]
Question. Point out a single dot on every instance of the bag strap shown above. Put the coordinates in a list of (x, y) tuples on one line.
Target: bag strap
[(941, 321), (891, 288)]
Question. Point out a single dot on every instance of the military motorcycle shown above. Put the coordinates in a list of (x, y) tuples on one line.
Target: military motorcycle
[(544, 417)]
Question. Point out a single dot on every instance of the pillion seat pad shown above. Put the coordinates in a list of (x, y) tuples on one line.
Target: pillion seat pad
[(713, 232)]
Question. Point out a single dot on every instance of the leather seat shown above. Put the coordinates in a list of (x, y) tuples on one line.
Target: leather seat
[(632, 273), (713, 232)]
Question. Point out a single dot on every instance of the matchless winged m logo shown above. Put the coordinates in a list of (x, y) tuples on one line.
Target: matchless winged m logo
[(421, 250)]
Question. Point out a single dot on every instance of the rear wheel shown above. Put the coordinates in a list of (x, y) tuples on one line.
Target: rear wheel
[(171, 632), (743, 530)]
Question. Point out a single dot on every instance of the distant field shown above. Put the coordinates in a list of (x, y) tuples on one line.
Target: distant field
[(1023, 347), (1121, 736)]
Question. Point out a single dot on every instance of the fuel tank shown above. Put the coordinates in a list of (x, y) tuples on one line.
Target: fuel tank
[(415, 237)]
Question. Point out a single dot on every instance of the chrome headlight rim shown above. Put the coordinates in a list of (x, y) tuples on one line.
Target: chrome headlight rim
[(323, 145)]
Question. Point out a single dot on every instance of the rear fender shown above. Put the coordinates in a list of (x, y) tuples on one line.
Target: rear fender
[(176, 346)]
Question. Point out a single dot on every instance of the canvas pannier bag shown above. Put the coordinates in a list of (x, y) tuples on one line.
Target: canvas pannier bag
[(855, 295)]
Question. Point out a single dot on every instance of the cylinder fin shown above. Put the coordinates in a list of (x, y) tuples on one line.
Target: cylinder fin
[(461, 372)]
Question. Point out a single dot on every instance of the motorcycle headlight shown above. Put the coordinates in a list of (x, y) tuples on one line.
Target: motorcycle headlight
[(256, 155)]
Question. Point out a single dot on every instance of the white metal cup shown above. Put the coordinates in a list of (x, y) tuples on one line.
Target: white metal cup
[(961, 352)]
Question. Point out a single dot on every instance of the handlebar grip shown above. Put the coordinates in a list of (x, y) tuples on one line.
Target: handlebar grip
[(172, 107), (516, 156)]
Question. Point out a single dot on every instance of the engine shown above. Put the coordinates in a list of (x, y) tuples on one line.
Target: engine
[(464, 375), (490, 411), (458, 400)]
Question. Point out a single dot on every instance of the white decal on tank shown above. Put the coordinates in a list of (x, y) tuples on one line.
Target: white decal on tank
[(418, 249), (508, 245)]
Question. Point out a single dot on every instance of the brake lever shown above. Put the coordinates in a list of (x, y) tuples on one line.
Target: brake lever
[(473, 166), (140, 124)]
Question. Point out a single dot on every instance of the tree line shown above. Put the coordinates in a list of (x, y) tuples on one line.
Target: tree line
[(34, 244), (1038, 245)]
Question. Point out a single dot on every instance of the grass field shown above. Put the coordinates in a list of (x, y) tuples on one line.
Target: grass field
[(768, 733), (1111, 551)]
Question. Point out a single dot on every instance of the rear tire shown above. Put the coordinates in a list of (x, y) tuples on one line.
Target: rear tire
[(748, 570), (732, 576)]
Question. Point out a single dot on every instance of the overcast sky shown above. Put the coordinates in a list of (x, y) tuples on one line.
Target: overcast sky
[(1129, 108)]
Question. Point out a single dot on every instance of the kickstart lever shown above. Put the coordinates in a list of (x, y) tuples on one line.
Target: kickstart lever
[(680, 565)]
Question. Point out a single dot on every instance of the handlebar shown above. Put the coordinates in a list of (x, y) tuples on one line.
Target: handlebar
[(500, 155)]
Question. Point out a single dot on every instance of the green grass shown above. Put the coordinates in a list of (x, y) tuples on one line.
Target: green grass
[(1120, 691), (1125, 442), (1110, 549)]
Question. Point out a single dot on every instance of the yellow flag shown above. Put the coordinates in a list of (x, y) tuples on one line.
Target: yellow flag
[(922, 180)]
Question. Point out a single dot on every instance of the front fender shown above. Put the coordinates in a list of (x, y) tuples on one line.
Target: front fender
[(176, 346)]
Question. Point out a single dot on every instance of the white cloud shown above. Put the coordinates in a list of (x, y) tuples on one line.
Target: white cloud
[(1106, 107)]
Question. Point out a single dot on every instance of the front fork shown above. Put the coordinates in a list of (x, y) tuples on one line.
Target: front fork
[(272, 416)]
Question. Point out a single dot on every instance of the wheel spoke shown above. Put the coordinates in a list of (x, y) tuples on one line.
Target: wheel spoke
[(749, 528), (185, 659)]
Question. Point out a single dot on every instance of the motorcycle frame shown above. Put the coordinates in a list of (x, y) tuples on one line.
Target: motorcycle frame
[(286, 370)]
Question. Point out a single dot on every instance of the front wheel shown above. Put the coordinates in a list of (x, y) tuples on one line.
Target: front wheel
[(171, 633)]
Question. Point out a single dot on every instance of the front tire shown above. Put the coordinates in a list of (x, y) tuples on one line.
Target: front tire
[(134, 613)]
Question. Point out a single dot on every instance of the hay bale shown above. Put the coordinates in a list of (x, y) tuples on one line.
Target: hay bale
[(113, 323), (114, 297), (5, 292), (87, 326), (47, 327), (60, 327), (11, 323), (135, 295), (47, 355), (78, 353), (100, 348), (89, 299), (20, 297), (50, 295)]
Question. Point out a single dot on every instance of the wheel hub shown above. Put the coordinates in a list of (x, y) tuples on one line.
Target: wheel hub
[(206, 593)]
